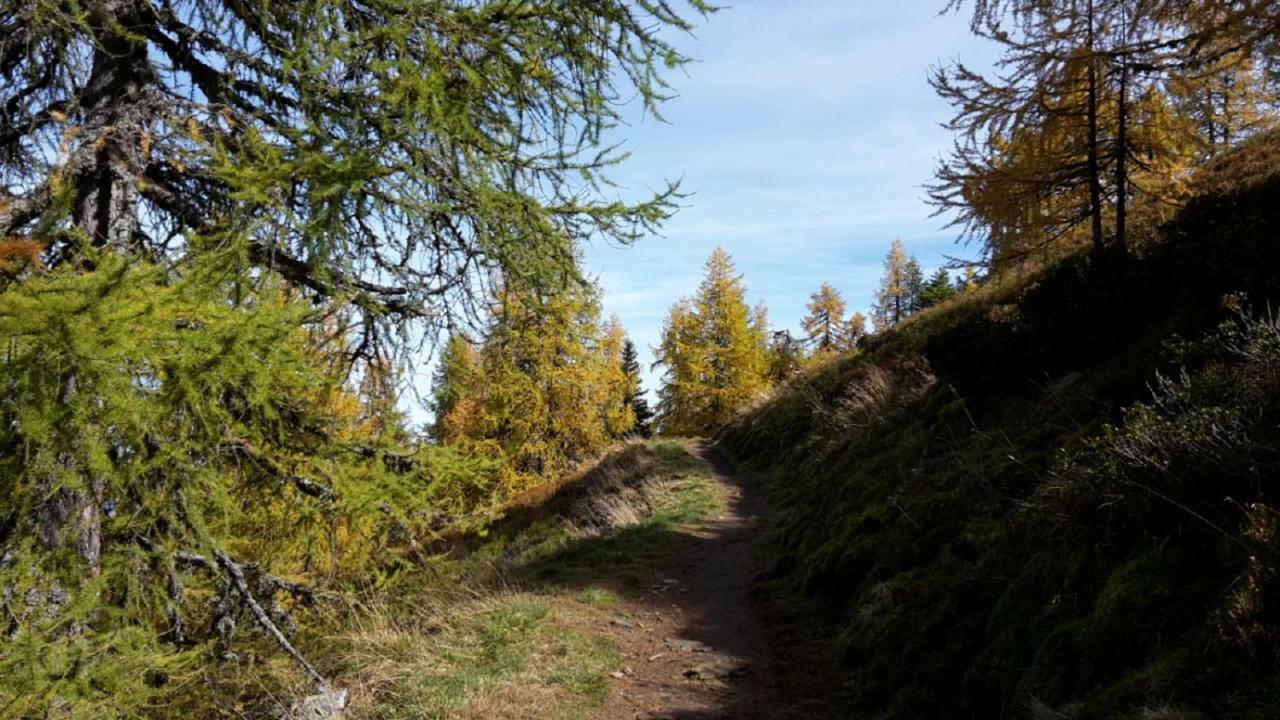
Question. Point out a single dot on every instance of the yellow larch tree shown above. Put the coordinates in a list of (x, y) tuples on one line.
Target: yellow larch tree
[(714, 349)]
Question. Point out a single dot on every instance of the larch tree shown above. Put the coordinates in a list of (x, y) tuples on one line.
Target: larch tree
[(686, 366), (1028, 154), (895, 299), (855, 329), (1072, 126), (714, 350), (455, 389), (618, 388), (824, 325), (185, 188), (553, 390)]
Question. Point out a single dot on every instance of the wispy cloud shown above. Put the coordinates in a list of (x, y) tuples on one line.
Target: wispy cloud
[(805, 132)]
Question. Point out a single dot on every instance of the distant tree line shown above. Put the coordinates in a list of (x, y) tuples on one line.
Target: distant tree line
[(719, 353)]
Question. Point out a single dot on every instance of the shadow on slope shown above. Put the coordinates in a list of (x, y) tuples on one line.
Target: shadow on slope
[(1051, 498)]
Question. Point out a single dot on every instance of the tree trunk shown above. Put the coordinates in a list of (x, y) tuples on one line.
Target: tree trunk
[(72, 514), (1122, 153), (113, 110), (113, 117), (1094, 169)]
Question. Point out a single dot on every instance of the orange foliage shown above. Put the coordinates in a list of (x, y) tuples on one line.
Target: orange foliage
[(17, 253)]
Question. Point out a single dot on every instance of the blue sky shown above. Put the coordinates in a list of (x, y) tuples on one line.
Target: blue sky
[(805, 131)]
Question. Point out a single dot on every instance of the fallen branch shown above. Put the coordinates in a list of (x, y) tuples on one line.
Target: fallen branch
[(242, 586)]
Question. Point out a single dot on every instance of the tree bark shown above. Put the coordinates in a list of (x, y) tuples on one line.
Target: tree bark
[(1091, 111), (113, 115), (1122, 153)]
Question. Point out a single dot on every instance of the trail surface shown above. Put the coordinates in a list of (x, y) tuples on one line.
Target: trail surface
[(693, 645)]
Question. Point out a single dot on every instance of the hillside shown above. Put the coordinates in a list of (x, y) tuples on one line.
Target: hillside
[(1052, 497)]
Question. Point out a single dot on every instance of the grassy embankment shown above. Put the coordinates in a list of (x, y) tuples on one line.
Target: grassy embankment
[(1054, 496)]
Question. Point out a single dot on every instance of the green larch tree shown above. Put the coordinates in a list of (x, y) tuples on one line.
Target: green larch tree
[(187, 189)]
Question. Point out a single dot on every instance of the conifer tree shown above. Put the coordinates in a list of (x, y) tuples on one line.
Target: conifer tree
[(824, 326), (455, 390), (634, 397), (937, 289), (914, 283), (786, 356), (549, 390), (683, 354), (896, 296), (616, 385), (715, 353), (1074, 126), (855, 330), (190, 189), (377, 156)]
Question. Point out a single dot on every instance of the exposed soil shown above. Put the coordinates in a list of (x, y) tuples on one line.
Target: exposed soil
[(692, 643)]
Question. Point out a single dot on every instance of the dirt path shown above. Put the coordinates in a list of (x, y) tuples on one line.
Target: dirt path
[(692, 644)]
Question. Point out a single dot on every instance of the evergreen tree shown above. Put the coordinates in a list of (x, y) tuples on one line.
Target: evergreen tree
[(824, 326), (786, 356), (914, 280), (715, 353), (634, 397), (937, 289)]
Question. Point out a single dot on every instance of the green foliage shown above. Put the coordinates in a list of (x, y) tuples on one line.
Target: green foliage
[(151, 423), (384, 158), (421, 650), (635, 398), (937, 289)]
